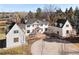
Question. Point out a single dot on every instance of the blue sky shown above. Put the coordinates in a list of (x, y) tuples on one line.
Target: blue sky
[(32, 7)]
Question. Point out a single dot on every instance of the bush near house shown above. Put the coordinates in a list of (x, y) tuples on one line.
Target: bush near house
[(72, 39)]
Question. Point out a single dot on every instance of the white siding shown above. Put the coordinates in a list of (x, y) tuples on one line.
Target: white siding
[(10, 37), (33, 27), (28, 28), (55, 29), (64, 29)]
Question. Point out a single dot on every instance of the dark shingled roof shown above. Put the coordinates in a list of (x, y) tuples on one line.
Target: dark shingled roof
[(11, 25), (60, 21), (31, 21)]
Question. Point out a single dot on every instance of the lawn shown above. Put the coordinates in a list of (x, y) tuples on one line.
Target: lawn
[(2, 36), (2, 32), (21, 50)]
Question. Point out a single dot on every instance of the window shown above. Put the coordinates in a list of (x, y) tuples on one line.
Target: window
[(46, 24), (33, 25), (58, 32), (16, 39), (45, 29), (28, 31), (60, 24), (67, 31), (28, 25), (67, 25), (37, 21), (41, 24), (16, 31)]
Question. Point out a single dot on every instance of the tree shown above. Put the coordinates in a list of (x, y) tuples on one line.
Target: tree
[(30, 15), (66, 11), (38, 13), (22, 20), (49, 13), (60, 14), (70, 13), (76, 12), (59, 11), (18, 18)]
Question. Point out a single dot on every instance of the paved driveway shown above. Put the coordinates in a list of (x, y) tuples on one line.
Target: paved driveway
[(45, 48), (41, 47)]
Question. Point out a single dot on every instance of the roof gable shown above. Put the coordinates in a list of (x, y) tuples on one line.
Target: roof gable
[(15, 27), (67, 23)]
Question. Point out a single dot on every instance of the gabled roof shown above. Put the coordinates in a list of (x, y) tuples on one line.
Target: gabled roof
[(21, 26), (11, 25), (31, 21), (60, 21)]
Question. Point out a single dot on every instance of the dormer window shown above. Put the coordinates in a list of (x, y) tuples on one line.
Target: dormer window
[(46, 24), (25, 21), (60, 24), (37, 21), (28, 25)]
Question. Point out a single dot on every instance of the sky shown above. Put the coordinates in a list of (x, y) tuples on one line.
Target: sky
[(31, 7)]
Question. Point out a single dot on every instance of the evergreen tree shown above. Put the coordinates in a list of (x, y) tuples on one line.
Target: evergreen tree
[(66, 11), (38, 13), (76, 12), (70, 13)]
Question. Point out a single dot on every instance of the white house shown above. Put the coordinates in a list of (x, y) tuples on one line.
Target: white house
[(15, 36), (17, 32), (63, 28), (35, 25)]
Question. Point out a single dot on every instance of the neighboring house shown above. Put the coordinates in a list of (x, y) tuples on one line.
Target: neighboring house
[(15, 36), (35, 25), (63, 28)]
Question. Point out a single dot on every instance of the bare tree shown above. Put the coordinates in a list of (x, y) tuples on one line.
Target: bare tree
[(30, 15), (49, 13)]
